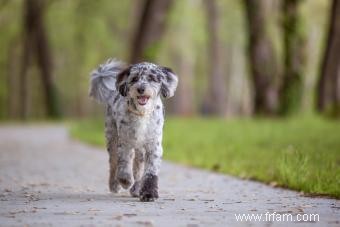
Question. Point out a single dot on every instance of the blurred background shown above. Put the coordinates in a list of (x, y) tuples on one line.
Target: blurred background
[(233, 58), (266, 73)]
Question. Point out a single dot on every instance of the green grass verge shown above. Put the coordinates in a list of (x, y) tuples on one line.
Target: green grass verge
[(301, 154)]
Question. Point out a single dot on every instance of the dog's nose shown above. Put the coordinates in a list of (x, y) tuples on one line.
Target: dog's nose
[(141, 90)]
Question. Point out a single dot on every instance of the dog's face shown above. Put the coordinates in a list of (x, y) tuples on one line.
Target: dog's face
[(144, 82)]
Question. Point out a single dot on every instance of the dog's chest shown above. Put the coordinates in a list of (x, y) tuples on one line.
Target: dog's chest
[(137, 130)]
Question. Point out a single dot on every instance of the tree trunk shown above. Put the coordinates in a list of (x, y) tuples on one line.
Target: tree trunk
[(262, 59), (328, 99), (216, 102), (150, 29), (12, 80), (44, 59), (294, 58), (183, 101), (25, 59), (182, 60), (36, 42)]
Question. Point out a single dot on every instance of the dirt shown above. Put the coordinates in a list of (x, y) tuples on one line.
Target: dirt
[(47, 179)]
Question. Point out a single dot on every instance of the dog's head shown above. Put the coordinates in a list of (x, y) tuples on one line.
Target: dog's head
[(144, 82)]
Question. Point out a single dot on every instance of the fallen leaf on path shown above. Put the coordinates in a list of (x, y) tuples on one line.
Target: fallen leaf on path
[(93, 209), (17, 212), (118, 218), (169, 199), (146, 223), (207, 200), (42, 208), (130, 215), (67, 213)]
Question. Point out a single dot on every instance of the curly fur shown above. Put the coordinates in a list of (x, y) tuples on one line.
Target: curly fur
[(134, 122)]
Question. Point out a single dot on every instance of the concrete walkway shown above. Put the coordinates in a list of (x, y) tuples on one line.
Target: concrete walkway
[(47, 179)]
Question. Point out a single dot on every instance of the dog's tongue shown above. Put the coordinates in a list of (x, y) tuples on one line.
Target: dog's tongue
[(142, 100)]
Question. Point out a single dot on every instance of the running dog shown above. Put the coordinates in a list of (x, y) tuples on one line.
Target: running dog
[(134, 122)]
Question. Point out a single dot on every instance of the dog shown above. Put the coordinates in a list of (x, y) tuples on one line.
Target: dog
[(134, 122)]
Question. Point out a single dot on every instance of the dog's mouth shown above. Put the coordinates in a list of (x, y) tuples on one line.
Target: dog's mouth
[(142, 100)]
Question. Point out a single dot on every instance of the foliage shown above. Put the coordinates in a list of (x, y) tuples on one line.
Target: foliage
[(83, 33), (300, 153)]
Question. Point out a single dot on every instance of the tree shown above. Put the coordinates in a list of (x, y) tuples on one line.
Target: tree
[(294, 59), (262, 58), (216, 98), (183, 102), (12, 78), (328, 90), (182, 57), (36, 42), (149, 30)]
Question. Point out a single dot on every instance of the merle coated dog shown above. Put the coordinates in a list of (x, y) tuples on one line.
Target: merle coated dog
[(134, 122)]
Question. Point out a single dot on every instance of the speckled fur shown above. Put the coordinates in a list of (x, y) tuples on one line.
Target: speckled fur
[(133, 132)]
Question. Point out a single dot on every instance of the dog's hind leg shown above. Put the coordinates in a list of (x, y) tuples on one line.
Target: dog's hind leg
[(111, 144), (138, 169), (113, 182)]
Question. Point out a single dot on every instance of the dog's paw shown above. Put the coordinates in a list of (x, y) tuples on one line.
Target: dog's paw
[(114, 186), (125, 179), (135, 189), (149, 190), (148, 196)]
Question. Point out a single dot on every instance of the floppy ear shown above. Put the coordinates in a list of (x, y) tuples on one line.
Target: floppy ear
[(169, 83), (121, 83)]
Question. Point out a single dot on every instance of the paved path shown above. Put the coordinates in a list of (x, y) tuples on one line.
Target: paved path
[(46, 179)]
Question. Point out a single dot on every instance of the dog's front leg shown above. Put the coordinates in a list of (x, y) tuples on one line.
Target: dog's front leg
[(111, 144), (124, 165), (153, 159), (138, 170)]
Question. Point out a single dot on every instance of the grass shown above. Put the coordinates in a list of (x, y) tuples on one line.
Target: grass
[(301, 154)]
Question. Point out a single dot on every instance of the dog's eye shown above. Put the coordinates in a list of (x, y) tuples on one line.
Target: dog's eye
[(152, 78), (134, 79)]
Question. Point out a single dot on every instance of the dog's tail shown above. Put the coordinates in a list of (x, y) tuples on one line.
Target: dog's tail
[(103, 80)]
